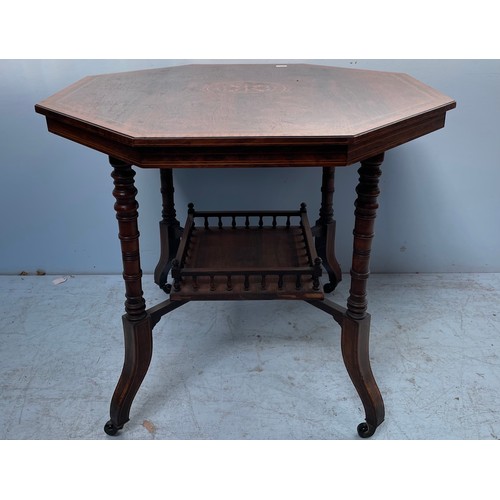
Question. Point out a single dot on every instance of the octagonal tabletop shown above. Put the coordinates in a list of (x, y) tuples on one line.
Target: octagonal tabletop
[(245, 114)]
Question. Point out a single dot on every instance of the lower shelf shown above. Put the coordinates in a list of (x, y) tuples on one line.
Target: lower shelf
[(246, 255)]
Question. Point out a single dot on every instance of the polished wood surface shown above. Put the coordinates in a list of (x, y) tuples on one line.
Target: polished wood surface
[(245, 114), (250, 255)]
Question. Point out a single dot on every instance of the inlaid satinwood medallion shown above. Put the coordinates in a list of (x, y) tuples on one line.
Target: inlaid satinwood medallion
[(245, 87)]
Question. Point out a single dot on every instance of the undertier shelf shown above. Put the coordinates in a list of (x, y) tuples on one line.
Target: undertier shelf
[(246, 255)]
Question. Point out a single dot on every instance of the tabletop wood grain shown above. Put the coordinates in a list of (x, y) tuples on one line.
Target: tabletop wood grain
[(245, 104)]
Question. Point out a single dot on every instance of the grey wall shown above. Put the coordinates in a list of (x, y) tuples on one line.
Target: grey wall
[(439, 208)]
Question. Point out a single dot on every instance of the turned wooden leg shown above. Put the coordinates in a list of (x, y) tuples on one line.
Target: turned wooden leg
[(356, 323), (365, 214), (136, 322), (325, 230), (170, 230)]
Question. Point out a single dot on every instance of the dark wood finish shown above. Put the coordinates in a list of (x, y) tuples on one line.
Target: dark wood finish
[(158, 311), (325, 230), (136, 323), (365, 214), (138, 352), (337, 312), (246, 116), (246, 255), (126, 213), (355, 351), (170, 230)]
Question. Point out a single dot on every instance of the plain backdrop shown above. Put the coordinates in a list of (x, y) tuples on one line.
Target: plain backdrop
[(439, 206), (458, 164)]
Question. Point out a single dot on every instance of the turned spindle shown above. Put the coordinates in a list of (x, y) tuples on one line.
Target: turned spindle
[(365, 214)]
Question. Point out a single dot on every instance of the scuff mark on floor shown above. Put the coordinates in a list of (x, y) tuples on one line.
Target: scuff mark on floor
[(257, 369), (149, 426)]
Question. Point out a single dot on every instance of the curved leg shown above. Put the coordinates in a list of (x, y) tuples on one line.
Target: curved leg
[(137, 324), (325, 230), (356, 323), (170, 230), (138, 352), (355, 351)]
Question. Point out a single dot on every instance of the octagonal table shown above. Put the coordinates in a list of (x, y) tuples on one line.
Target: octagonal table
[(246, 115)]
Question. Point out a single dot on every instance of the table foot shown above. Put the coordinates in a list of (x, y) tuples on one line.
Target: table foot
[(365, 430), (329, 287), (111, 429), (138, 352), (355, 352)]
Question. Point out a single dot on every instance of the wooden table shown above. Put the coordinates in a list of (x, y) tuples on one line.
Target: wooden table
[(246, 116)]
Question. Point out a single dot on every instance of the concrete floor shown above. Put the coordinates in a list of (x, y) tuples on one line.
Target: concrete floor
[(251, 370)]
